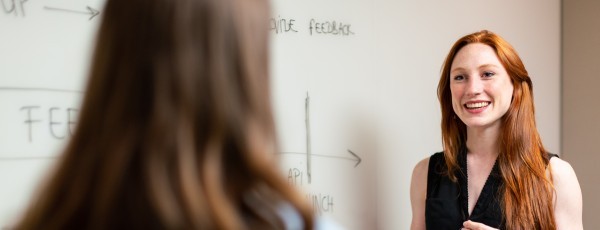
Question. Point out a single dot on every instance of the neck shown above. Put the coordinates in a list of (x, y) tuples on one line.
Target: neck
[(483, 141)]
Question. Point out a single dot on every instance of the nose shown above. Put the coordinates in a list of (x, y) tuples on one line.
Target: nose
[(474, 86)]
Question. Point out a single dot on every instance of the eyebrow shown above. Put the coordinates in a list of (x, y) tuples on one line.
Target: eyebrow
[(488, 65), (479, 67)]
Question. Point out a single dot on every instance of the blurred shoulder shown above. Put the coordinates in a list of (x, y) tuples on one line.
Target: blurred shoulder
[(324, 223), (293, 220)]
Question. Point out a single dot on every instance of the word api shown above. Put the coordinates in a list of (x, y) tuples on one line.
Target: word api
[(295, 176)]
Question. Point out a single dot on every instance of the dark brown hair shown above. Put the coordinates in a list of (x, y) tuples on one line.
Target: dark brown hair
[(176, 129), (527, 193)]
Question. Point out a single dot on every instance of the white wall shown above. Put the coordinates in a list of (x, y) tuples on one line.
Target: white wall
[(580, 111)]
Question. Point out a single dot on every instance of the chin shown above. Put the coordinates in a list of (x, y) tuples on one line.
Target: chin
[(479, 123)]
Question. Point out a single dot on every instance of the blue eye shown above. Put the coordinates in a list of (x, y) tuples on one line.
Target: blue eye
[(459, 78), (488, 74)]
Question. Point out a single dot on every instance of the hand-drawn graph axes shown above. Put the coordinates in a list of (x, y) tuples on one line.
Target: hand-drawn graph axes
[(309, 153)]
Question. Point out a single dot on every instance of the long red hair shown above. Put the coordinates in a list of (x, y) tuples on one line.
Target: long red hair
[(527, 192)]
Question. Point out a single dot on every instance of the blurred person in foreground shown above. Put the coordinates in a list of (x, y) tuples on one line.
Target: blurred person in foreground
[(176, 128)]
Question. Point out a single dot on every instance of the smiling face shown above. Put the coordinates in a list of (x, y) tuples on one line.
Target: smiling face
[(480, 86)]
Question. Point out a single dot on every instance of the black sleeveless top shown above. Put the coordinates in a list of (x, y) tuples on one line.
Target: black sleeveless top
[(446, 204)]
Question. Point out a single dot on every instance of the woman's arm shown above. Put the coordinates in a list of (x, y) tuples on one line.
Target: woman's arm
[(568, 201), (418, 193)]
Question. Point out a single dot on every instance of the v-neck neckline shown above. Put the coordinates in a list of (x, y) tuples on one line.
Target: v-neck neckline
[(487, 191)]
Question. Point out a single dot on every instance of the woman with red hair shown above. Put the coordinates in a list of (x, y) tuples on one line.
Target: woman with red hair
[(494, 172)]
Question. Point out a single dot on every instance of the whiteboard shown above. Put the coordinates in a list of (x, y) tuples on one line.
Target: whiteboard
[(44, 54), (374, 93), (325, 100), (353, 88)]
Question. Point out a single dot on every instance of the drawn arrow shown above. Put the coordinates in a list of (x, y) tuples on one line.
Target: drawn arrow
[(353, 157), (357, 158), (91, 11)]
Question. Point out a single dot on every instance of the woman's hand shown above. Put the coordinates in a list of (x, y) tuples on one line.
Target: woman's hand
[(470, 225)]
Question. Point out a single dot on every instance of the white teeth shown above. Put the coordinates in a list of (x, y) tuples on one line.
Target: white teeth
[(477, 105)]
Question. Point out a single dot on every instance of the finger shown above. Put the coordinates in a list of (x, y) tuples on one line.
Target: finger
[(468, 224), (476, 225), (472, 225)]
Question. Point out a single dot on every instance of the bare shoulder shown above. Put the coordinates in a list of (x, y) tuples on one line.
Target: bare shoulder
[(421, 168), (568, 206), (564, 180), (562, 171), (418, 184), (418, 194)]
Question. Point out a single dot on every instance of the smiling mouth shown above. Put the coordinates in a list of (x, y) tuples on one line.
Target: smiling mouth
[(477, 105)]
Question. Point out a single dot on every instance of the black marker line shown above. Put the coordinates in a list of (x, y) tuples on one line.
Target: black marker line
[(308, 148), (358, 159), (91, 11), (26, 158), (40, 89), (354, 158), (320, 155)]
